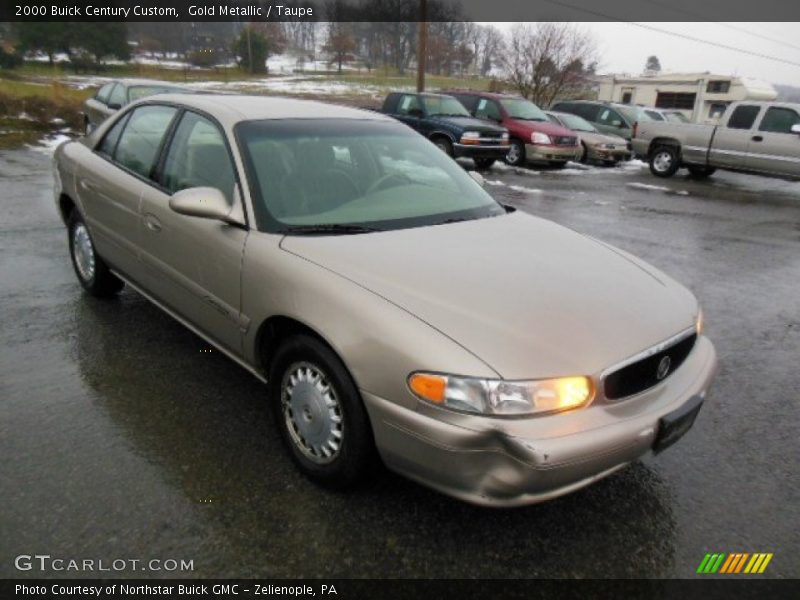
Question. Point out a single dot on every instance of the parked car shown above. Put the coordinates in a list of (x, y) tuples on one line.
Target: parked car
[(608, 149), (445, 122), (755, 137), (116, 94), (394, 308), (616, 119), (533, 137)]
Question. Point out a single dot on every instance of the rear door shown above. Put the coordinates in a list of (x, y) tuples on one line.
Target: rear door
[(113, 178), (731, 142), (191, 264), (773, 147)]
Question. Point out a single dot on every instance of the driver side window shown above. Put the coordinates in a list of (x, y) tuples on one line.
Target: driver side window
[(198, 157), (610, 117), (487, 109), (117, 95), (407, 104)]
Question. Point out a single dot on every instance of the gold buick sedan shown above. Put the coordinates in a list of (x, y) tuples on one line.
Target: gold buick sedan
[(394, 310)]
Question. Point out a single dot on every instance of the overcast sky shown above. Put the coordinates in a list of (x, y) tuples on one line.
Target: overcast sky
[(624, 48)]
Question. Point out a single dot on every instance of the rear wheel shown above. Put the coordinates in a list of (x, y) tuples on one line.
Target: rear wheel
[(701, 172), (320, 413), (516, 154), (664, 161), (483, 163), (92, 271)]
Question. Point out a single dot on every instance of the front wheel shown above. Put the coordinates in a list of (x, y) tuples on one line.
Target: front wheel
[(320, 414), (92, 271), (444, 145), (483, 163), (516, 154), (664, 161), (701, 172)]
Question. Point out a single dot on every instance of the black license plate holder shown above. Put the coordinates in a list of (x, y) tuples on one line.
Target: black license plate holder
[(673, 426)]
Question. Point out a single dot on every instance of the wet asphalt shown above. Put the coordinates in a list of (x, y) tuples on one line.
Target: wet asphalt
[(121, 438)]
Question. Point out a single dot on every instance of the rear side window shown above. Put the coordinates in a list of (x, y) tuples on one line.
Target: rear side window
[(743, 117), (587, 111), (198, 157), (109, 142), (407, 104), (138, 147), (118, 95), (779, 120), (488, 109), (104, 92), (469, 102)]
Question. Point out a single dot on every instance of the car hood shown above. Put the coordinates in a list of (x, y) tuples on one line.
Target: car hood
[(471, 123), (594, 137), (532, 299)]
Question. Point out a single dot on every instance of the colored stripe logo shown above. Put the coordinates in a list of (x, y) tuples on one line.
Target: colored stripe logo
[(737, 562)]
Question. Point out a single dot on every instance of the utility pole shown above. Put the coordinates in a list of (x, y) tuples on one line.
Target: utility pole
[(422, 44)]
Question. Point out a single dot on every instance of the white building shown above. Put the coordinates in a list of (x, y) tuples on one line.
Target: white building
[(702, 97)]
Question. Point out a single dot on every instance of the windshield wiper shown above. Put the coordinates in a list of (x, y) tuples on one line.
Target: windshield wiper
[(333, 228)]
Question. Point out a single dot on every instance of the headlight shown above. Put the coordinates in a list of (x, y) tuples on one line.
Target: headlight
[(698, 323), (504, 136), (470, 137), (537, 137), (499, 397)]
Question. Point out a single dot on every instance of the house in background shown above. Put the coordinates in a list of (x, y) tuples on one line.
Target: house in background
[(702, 97)]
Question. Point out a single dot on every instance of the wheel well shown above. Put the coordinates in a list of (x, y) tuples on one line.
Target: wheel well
[(65, 207), (441, 136), (271, 334), (657, 142)]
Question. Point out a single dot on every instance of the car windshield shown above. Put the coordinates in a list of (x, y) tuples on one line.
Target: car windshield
[(327, 176), (142, 91), (444, 106), (576, 123), (676, 117), (525, 110)]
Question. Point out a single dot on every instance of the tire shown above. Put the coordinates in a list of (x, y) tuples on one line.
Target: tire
[(701, 172), (516, 154), (92, 272), (664, 161), (483, 163), (584, 154), (303, 364), (558, 164), (443, 144)]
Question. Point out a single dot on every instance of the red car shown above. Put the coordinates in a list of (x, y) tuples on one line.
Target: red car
[(533, 136)]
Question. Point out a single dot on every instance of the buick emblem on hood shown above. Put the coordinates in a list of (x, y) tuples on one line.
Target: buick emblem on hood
[(663, 367)]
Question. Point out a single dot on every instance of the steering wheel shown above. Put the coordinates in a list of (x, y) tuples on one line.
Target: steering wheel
[(386, 182)]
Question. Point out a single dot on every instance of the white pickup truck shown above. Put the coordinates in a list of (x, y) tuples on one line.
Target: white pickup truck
[(753, 137)]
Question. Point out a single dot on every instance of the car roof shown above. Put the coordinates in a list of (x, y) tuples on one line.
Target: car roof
[(230, 109), (132, 82)]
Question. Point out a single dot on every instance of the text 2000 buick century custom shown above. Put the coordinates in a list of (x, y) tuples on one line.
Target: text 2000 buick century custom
[(395, 309)]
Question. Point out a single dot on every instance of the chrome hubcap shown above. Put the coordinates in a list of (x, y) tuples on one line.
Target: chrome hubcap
[(312, 412), (662, 161), (83, 251), (513, 154)]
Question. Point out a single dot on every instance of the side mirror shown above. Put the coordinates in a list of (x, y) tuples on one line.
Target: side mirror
[(205, 203), (114, 105), (415, 112), (478, 178), (796, 128)]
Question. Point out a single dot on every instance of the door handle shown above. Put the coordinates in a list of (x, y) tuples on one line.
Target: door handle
[(153, 224), (757, 138)]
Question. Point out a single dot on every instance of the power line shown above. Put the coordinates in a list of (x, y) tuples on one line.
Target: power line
[(726, 25), (674, 33)]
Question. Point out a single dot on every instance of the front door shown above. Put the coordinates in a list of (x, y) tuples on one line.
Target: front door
[(193, 265)]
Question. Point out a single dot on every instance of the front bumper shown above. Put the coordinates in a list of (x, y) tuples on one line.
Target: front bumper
[(537, 152), (512, 462), (618, 154), (496, 151)]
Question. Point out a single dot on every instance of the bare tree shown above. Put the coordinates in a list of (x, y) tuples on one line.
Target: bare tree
[(544, 61)]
